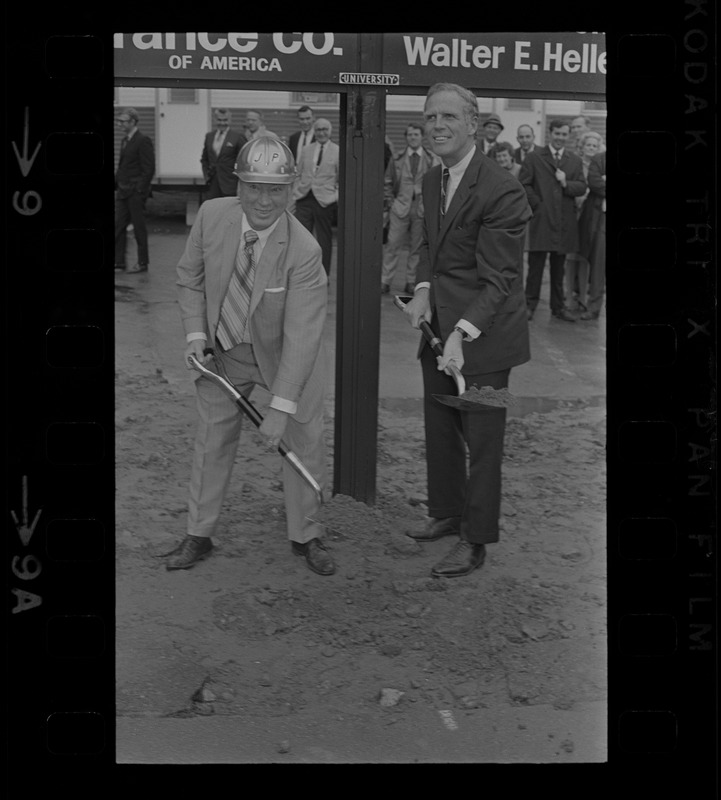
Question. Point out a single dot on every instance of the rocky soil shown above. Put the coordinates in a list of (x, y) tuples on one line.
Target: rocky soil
[(252, 632)]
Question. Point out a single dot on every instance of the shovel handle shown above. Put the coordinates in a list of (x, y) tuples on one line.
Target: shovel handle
[(435, 343), (256, 418)]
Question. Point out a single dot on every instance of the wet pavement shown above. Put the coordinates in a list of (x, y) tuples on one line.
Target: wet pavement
[(567, 363)]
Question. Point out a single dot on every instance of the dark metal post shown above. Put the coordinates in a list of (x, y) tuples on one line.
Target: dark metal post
[(360, 229)]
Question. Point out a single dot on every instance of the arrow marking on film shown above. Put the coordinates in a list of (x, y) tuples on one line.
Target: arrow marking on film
[(24, 531), (26, 164)]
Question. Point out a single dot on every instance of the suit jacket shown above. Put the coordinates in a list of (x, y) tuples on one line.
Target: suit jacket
[(287, 305), (323, 182), (595, 205), (474, 262), (517, 154), (554, 226), (293, 142), (403, 186), (136, 166), (223, 164)]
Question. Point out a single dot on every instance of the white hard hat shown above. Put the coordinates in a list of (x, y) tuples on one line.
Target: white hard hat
[(265, 160)]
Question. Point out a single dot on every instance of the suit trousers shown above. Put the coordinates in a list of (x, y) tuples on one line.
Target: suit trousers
[(464, 452), (216, 445), (536, 265), (127, 210), (213, 190), (576, 281), (318, 220), (398, 230)]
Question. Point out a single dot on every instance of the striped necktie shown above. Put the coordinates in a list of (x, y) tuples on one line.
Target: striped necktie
[(236, 305)]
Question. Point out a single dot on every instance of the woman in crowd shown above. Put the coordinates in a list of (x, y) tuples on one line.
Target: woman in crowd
[(503, 153), (577, 266)]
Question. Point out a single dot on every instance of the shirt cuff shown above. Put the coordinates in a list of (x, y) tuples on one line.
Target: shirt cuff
[(423, 285), (191, 337), (471, 331), (281, 404)]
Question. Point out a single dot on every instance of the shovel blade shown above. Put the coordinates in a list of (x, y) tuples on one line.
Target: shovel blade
[(464, 405)]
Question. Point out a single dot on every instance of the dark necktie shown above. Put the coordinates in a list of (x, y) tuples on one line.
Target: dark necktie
[(415, 158), (124, 141), (236, 305), (444, 187), (320, 156), (557, 158)]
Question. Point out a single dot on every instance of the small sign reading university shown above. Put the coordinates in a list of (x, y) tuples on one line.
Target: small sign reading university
[(369, 78)]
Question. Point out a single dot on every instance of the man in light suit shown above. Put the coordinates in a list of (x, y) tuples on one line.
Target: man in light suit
[(255, 126), (403, 184), (470, 291), (136, 167), (275, 343), (220, 152), (316, 190)]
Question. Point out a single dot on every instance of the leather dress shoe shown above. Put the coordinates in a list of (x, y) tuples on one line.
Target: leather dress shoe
[(437, 529), (530, 314), (385, 288), (565, 315), (463, 559), (316, 556), (589, 315), (120, 266), (137, 268), (191, 550)]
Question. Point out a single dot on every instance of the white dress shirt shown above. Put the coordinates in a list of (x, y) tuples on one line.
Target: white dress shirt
[(455, 175), (218, 141)]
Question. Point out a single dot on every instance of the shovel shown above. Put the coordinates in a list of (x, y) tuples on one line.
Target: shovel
[(485, 399), (255, 417)]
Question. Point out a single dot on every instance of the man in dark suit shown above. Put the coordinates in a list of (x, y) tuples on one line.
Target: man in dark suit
[(492, 128), (305, 135), (552, 177), (136, 167), (470, 290), (526, 137), (220, 152)]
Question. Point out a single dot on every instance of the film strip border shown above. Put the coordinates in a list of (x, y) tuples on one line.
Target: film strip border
[(662, 404)]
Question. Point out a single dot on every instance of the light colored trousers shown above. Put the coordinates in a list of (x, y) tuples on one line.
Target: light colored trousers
[(216, 445), (397, 231)]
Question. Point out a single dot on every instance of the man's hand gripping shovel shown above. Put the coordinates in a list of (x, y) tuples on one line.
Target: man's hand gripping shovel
[(220, 377), (484, 399)]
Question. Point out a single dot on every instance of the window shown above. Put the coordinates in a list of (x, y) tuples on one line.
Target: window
[(182, 95), (519, 104), (314, 98)]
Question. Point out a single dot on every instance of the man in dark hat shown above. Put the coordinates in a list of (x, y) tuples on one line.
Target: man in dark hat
[(491, 130)]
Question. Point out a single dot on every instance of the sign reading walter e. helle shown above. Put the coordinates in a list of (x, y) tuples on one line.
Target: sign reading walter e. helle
[(548, 63)]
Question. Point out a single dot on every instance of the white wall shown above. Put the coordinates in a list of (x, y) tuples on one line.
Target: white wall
[(242, 98)]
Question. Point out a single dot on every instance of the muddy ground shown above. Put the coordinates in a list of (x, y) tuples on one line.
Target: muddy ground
[(253, 634)]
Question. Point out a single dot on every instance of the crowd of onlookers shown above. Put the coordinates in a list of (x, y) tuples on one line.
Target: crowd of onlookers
[(565, 182)]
